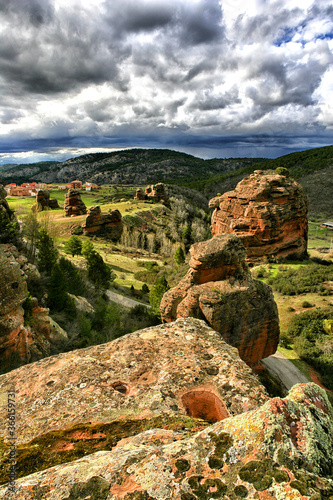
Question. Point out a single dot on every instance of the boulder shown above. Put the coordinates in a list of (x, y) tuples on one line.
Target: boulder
[(219, 289), (43, 201), (278, 449), (140, 195), (175, 376), (110, 224), (73, 203), (268, 212)]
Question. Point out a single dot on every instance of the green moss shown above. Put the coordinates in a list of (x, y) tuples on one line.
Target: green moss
[(97, 488), (215, 463), (59, 447), (211, 488), (258, 473), (281, 476), (240, 491), (183, 465), (138, 495), (222, 443), (300, 486)]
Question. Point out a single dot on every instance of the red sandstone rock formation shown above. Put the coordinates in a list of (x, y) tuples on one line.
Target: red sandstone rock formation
[(155, 192), (110, 224), (32, 341), (43, 201), (73, 203), (268, 212), (109, 422), (219, 289)]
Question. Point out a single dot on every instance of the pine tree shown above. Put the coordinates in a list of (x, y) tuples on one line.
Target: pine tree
[(47, 253), (157, 293), (98, 272), (87, 248), (73, 246), (179, 256)]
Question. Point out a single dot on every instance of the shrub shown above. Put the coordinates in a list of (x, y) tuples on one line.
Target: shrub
[(157, 293), (282, 171), (47, 253), (99, 272), (306, 304)]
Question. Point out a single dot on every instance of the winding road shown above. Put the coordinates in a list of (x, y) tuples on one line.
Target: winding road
[(284, 370), (125, 301)]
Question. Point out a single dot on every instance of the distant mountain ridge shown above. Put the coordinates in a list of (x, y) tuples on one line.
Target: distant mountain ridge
[(133, 166), (313, 168)]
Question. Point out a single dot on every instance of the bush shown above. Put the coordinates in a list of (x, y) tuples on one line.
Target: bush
[(306, 304), (74, 281), (282, 171), (305, 279)]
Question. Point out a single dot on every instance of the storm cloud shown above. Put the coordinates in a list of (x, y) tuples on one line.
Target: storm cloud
[(74, 71)]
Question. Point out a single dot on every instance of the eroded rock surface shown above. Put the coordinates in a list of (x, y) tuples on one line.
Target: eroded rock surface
[(156, 192), (268, 212), (73, 204), (87, 400), (109, 224), (282, 450), (43, 201), (219, 289), (31, 341)]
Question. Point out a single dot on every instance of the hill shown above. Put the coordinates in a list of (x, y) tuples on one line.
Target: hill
[(138, 166)]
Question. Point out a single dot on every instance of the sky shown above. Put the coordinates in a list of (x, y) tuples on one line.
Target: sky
[(212, 78)]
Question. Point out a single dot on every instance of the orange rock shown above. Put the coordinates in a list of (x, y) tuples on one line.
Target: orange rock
[(220, 290), (268, 212)]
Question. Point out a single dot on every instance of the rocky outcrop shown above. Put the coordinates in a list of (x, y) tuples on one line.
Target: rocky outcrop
[(119, 421), (268, 212), (43, 201), (73, 203), (155, 192), (9, 227), (219, 289), (110, 224), (29, 341)]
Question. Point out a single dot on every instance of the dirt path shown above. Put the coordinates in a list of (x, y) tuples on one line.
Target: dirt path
[(284, 370), (125, 301)]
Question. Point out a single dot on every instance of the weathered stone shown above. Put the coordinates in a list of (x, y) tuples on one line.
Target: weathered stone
[(154, 192), (281, 450), (90, 399), (31, 341), (110, 224), (73, 203), (43, 201), (268, 212), (140, 195), (6, 216), (219, 289)]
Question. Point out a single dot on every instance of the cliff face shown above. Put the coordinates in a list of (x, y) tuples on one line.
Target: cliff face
[(110, 224), (268, 213), (219, 289), (31, 341), (119, 421)]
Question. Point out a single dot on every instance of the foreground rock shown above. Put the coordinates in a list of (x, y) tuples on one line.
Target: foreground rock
[(43, 201), (219, 289), (73, 204), (79, 402), (109, 225), (282, 450), (268, 212), (6, 217), (20, 340)]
